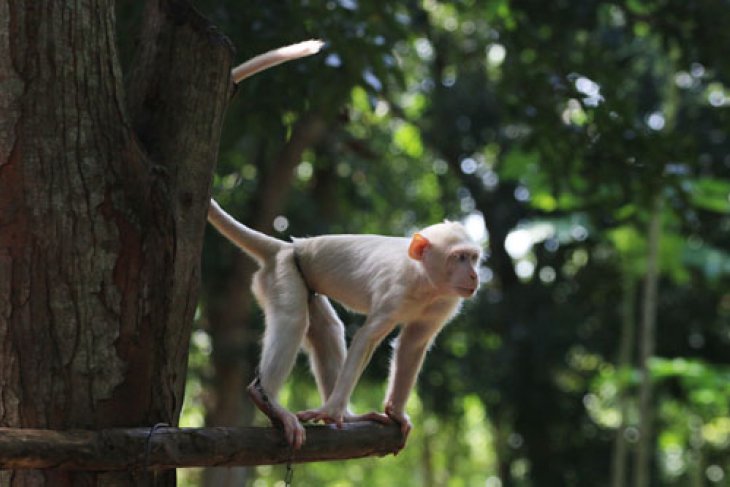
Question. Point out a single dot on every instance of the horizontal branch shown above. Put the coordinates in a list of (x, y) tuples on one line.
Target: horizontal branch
[(135, 448)]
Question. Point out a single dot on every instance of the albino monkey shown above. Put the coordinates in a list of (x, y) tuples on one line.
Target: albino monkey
[(418, 282)]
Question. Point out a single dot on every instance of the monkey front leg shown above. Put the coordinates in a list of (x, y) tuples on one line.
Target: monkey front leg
[(409, 354), (335, 409)]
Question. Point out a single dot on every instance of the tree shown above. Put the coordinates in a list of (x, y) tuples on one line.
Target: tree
[(103, 194)]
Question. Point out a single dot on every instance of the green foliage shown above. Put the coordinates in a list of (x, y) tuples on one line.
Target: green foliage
[(711, 194)]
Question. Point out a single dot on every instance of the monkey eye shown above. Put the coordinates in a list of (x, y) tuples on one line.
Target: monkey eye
[(464, 257)]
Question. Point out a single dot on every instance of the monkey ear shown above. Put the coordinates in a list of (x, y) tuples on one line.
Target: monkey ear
[(418, 246)]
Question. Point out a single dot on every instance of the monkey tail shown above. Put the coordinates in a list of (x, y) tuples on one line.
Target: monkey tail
[(274, 57), (256, 244)]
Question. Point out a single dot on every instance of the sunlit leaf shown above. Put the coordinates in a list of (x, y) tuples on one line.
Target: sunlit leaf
[(360, 100), (415, 105), (544, 201), (407, 138), (717, 432)]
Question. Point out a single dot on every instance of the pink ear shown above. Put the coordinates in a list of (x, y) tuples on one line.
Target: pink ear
[(418, 246)]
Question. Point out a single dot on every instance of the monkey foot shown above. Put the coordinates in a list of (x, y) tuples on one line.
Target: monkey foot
[(403, 420), (280, 417), (371, 416), (340, 419)]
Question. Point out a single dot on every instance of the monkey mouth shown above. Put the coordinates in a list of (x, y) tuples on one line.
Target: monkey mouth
[(467, 291)]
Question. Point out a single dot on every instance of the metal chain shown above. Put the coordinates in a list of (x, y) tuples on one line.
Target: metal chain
[(289, 476)]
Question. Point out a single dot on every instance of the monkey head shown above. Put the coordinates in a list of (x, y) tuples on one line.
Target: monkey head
[(449, 257)]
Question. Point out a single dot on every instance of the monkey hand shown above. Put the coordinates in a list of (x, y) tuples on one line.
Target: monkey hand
[(400, 417)]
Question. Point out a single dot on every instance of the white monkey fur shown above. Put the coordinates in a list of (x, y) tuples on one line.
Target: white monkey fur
[(419, 283)]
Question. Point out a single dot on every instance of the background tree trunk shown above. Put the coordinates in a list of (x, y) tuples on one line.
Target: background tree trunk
[(102, 210), (623, 364), (645, 447)]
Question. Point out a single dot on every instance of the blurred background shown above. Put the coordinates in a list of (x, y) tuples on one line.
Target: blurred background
[(585, 144)]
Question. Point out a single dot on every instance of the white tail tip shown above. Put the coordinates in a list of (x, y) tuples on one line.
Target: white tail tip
[(301, 49), (277, 56)]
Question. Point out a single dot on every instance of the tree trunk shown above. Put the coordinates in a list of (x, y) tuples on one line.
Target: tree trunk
[(623, 364), (644, 450), (102, 209)]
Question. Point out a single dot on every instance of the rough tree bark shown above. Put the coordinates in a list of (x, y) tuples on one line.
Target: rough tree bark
[(102, 208)]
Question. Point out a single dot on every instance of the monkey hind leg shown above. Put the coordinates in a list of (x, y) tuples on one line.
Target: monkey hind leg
[(284, 297), (325, 344)]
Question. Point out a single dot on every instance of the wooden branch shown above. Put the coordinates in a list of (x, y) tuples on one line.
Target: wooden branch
[(125, 449)]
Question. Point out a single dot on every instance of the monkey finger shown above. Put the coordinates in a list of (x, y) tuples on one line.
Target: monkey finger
[(405, 429), (294, 433), (405, 425), (335, 420), (299, 437)]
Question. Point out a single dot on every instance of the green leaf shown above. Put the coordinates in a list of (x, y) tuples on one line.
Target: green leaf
[(360, 100), (544, 201), (407, 138), (711, 194)]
